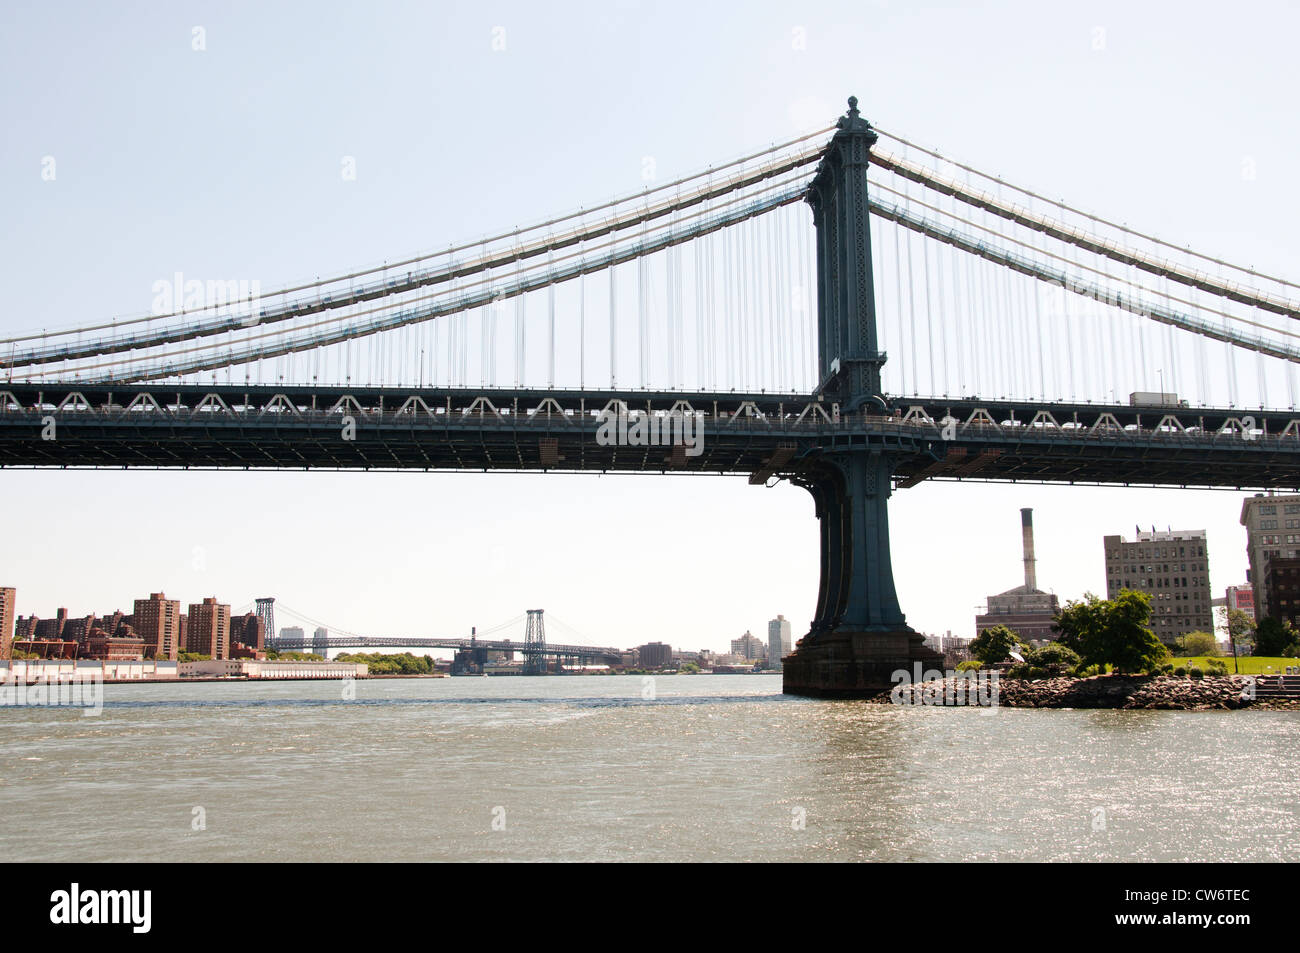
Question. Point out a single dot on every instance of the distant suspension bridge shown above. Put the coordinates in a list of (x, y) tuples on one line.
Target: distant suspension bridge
[(472, 652)]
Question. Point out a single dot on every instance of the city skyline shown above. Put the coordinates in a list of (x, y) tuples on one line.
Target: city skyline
[(962, 627)]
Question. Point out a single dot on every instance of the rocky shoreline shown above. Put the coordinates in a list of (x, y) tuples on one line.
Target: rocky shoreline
[(1168, 692)]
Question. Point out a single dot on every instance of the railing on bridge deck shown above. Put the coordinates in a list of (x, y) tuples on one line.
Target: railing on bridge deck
[(924, 417)]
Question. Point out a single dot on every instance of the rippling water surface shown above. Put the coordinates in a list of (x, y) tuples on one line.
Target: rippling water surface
[(584, 768)]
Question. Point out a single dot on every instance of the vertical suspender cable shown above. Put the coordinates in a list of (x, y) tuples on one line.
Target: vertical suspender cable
[(1263, 379), (697, 252), (550, 356), (521, 355), (943, 318), (641, 320), (785, 299), (1141, 379), (670, 273), (1173, 376), (929, 315), (1070, 349), (877, 269), (898, 304), (1038, 327), (1290, 382), (492, 345), (711, 312), (766, 263), (482, 349), (728, 337), (613, 329), (1203, 371), (807, 308), (742, 311), (1028, 293), (911, 306)]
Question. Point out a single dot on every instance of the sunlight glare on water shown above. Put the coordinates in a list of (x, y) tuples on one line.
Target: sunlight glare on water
[(584, 768)]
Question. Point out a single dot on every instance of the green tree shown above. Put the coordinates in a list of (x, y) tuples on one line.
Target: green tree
[(1112, 631), (273, 656), (1241, 628), (1053, 658), (381, 663), (1274, 636), (994, 644), (1199, 643)]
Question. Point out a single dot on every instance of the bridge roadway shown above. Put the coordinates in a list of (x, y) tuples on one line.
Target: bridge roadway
[(764, 435), (586, 652)]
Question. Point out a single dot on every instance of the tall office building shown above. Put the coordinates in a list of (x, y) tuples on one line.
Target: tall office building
[(8, 602), (778, 642), (1173, 567), (208, 631), (1272, 529), (157, 620), (295, 634)]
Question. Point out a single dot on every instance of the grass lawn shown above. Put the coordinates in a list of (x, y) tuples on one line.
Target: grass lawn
[(1247, 664)]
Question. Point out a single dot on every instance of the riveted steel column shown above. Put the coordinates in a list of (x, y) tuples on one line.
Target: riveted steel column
[(871, 600)]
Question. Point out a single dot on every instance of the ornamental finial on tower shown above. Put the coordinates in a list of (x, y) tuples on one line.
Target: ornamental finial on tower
[(852, 121)]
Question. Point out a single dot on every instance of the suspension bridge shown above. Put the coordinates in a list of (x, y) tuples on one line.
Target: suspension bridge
[(1030, 340), (471, 654)]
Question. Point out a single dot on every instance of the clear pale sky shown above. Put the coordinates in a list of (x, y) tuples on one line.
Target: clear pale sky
[(225, 162)]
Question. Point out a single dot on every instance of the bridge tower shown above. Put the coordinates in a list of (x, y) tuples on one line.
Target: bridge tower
[(266, 612), (535, 643), (859, 636), (848, 359)]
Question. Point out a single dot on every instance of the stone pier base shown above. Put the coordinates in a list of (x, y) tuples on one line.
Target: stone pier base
[(854, 664)]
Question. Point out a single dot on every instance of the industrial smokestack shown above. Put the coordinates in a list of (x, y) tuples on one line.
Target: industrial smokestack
[(1027, 535)]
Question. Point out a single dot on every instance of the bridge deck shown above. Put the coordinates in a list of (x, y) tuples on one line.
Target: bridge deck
[(230, 427)]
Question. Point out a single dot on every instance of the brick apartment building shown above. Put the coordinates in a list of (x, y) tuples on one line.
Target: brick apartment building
[(207, 630), (121, 646), (655, 655), (249, 631), (8, 602), (157, 621)]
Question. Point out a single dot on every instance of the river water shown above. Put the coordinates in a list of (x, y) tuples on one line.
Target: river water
[(591, 768)]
